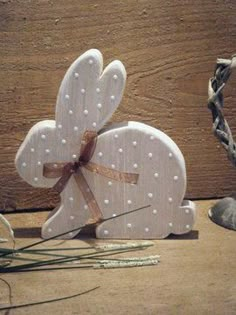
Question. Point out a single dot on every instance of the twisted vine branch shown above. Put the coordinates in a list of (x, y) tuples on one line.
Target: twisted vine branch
[(217, 83)]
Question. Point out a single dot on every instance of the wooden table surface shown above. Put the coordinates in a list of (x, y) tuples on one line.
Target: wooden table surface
[(196, 275)]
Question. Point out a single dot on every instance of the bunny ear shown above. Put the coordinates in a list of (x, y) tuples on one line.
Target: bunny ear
[(83, 72), (112, 84), (87, 97)]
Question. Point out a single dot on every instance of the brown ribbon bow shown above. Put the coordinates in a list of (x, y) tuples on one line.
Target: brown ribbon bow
[(67, 169)]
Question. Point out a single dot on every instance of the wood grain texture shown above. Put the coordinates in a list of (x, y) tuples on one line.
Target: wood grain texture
[(196, 275), (169, 51)]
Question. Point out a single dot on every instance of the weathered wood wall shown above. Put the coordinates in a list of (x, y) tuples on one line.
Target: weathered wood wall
[(169, 49)]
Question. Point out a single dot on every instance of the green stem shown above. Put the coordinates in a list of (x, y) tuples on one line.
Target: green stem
[(50, 269), (46, 301), (77, 229), (65, 260), (13, 257)]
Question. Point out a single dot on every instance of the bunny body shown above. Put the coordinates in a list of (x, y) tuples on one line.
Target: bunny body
[(86, 100)]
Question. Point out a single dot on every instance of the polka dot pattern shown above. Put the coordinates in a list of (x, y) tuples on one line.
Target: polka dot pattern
[(140, 151)]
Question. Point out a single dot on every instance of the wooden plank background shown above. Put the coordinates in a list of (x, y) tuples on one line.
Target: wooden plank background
[(169, 49)]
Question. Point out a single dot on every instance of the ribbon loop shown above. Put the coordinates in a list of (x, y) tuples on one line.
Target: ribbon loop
[(88, 145)]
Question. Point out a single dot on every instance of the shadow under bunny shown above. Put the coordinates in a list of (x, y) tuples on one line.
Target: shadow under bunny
[(88, 234)]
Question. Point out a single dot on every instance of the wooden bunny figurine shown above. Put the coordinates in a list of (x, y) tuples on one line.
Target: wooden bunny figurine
[(130, 165)]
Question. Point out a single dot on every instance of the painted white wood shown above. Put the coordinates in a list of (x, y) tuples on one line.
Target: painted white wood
[(86, 100)]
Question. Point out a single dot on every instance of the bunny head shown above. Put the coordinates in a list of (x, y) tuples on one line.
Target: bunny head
[(86, 100)]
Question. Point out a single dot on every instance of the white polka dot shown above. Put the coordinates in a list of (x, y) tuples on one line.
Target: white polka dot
[(99, 105), (85, 112), (72, 217), (116, 136), (134, 143), (39, 163), (156, 175), (113, 166), (36, 179), (112, 97), (71, 112), (76, 75), (115, 77), (170, 155), (187, 226), (94, 124), (90, 61), (100, 154), (63, 141), (98, 90), (85, 207), (71, 234), (150, 195), (110, 183), (135, 165), (49, 230), (43, 137), (129, 202), (106, 201), (114, 215), (176, 178), (67, 96), (150, 155), (146, 229), (186, 210), (170, 224), (71, 199), (106, 232), (154, 211), (82, 91), (120, 150), (59, 126), (151, 137), (24, 164), (55, 165), (170, 200), (32, 150), (74, 156), (129, 225), (47, 151), (76, 128)]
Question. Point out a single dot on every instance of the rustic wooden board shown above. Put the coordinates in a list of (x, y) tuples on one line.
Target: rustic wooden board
[(169, 50), (196, 275)]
